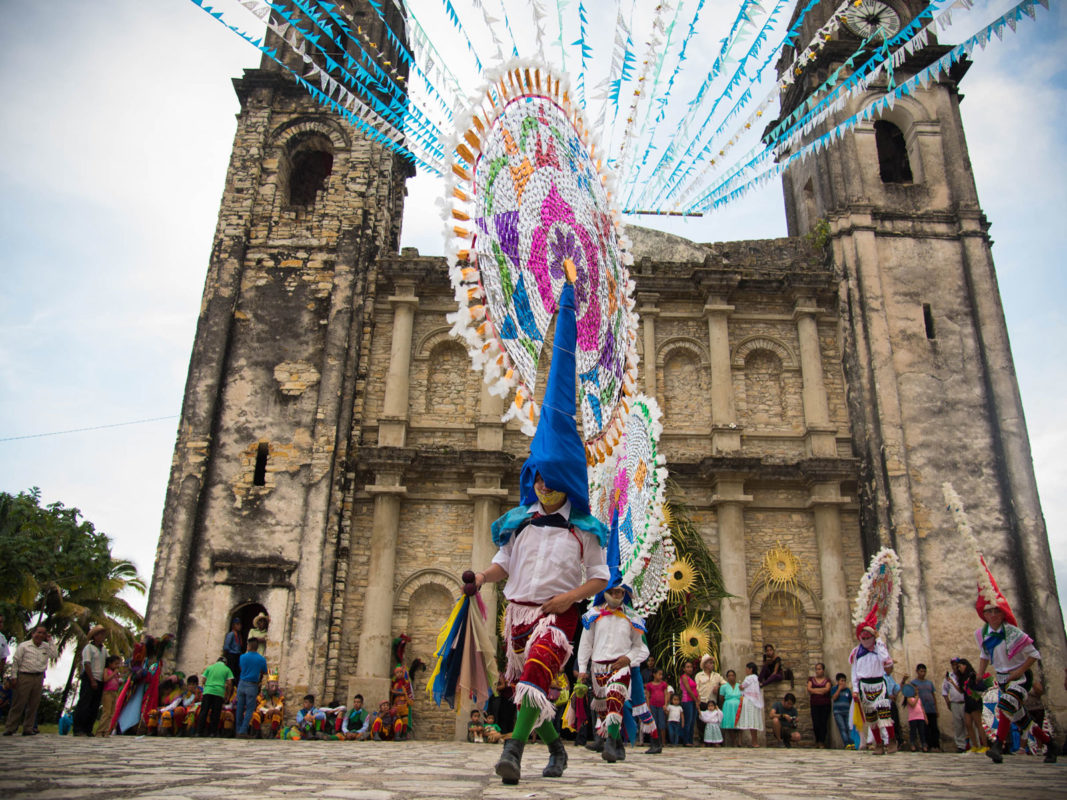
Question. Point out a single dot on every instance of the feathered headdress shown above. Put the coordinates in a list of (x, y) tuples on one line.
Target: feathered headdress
[(879, 595), (988, 592)]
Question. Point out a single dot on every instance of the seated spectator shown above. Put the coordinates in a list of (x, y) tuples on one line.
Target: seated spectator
[(171, 691), (310, 721), (354, 720), (173, 715), (475, 729), (387, 726), (772, 671), (335, 717), (784, 720), (492, 730)]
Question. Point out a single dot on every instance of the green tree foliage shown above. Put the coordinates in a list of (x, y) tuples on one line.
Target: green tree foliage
[(58, 571), (697, 608)]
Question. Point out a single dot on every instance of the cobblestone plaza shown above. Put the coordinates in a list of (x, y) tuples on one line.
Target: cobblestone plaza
[(48, 767)]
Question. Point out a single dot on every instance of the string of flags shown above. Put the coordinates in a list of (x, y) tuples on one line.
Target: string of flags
[(670, 123)]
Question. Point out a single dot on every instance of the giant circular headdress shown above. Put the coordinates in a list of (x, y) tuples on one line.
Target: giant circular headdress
[(526, 196), (633, 483)]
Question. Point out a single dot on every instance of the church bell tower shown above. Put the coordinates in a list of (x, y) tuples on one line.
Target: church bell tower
[(254, 512), (932, 391)]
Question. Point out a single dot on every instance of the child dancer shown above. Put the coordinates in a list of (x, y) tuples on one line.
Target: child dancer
[(612, 642)]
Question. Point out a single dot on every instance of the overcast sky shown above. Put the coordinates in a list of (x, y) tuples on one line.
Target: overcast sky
[(118, 119)]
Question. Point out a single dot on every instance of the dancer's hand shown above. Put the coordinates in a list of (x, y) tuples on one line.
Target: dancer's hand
[(558, 604)]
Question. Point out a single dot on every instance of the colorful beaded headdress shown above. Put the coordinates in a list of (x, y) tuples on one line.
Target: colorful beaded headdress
[(879, 595), (526, 196), (631, 483)]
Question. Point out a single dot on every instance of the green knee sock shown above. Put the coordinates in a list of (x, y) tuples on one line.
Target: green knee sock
[(613, 731), (548, 732), (524, 721)]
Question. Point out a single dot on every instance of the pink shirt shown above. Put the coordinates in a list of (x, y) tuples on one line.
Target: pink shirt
[(689, 688), (656, 693)]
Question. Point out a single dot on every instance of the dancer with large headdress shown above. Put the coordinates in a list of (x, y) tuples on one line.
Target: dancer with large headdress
[(551, 550), (875, 616), (1002, 645)]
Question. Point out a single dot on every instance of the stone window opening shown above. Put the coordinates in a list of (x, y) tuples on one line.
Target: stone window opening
[(928, 320), (310, 170), (259, 474), (304, 169), (893, 163)]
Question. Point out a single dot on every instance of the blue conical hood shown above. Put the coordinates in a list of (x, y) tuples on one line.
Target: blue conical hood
[(557, 451)]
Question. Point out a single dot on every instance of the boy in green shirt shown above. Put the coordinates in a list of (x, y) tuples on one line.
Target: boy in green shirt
[(217, 679)]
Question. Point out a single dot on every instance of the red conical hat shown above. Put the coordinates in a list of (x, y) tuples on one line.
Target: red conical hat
[(989, 595)]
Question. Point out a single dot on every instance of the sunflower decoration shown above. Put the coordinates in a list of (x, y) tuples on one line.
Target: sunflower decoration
[(694, 639), (782, 571), (681, 577)]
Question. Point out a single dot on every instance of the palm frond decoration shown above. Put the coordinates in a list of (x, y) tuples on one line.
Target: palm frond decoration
[(695, 610)]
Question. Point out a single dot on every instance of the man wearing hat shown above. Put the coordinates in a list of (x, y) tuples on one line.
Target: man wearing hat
[(551, 552), (93, 659)]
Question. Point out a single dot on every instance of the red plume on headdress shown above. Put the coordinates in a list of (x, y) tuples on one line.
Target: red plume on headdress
[(989, 595), (870, 621)]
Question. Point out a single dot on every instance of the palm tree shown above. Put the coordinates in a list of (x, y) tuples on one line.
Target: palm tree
[(89, 603)]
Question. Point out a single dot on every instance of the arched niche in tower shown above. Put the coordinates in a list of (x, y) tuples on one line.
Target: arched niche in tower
[(897, 158), (309, 162), (306, 150)]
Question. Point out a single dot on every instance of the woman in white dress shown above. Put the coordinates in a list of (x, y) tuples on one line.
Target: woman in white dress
[(751, 716)]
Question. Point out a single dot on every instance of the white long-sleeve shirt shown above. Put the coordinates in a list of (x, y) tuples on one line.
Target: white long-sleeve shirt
[(543, 561), (610, 637), (871, 664)]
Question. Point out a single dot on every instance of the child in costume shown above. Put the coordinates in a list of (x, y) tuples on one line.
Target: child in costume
[(1011, 653), (270, 708), (612, 642), (551, 552)]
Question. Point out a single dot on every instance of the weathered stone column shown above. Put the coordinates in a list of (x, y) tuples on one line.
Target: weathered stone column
[(825, 502), (725, 435), (376, 636), (729, 501), (647, 311), (393, 423), (820, 437)]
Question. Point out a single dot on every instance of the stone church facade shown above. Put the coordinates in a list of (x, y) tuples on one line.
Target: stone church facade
[(338, 463)]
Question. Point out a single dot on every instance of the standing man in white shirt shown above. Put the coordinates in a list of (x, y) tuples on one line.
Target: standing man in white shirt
[(30, 662), (93, 659)]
